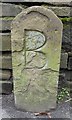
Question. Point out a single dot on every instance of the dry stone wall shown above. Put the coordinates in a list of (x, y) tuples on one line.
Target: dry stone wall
[(8, 10)]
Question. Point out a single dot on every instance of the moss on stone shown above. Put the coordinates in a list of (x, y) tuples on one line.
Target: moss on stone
[(7, 18), (66, 19)]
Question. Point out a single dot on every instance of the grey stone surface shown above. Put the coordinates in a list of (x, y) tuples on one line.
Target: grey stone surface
[(5, 23), (64, 59), (9, 9), (47, 1), (5, 62), (0, 42), (5, 87), (70, 63), (65, 76), (60, 11), (64, 79), (70, 54), (69, 85), (10, 112), (67, 35), (36, 46), (5, 42), (5, 75), (68, 75)]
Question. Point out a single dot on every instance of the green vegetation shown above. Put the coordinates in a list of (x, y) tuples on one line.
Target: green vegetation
[(7, 18), (63, 95), (66, 19)]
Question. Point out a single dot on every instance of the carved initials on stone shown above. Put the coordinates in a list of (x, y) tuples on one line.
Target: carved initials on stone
[(34, 57), (36, 47)]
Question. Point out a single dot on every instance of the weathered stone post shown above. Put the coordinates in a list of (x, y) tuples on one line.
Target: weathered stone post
[(36, 36)]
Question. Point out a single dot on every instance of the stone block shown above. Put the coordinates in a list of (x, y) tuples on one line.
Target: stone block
[(5, 87), (9, 9), (61, 2), (65, 80), (70, 54), (62, 81), (66, 39), (36, 47), (5, 42), (5, 62), (5, 23), (59, 11), (64, 59), (70, 63), (69, 84), (67, 74), (0, 42), (5, 75)]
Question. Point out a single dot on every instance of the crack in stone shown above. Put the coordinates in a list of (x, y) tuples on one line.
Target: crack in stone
[(50, 70), (17, 65), (39, 69), (31, 58), (47, 90), (24, 90)]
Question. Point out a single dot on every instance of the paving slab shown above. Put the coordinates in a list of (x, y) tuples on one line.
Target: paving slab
[(9, 110)]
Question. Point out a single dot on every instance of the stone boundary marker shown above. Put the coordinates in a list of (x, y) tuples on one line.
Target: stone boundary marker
[(61, 9), (36, 36)]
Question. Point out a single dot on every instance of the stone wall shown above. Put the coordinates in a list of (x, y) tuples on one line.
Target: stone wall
[(8, 10)]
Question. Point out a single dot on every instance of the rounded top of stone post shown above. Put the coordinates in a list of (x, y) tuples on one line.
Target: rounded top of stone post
[(40, 9)]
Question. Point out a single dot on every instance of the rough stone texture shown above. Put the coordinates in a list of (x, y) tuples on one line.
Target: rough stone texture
[(47, 1), (60, 11), (71, 10), (69, 84), (36, 46), (5, 23), (70, 54), (5, 87), (9, 9), (71, 93), (9, 111), (5, 62), (62, 83), (65, 75), (0, 42), (5, 42), (64, 59), (5, 75), (68, 75), (66, 40), (70, 63)]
